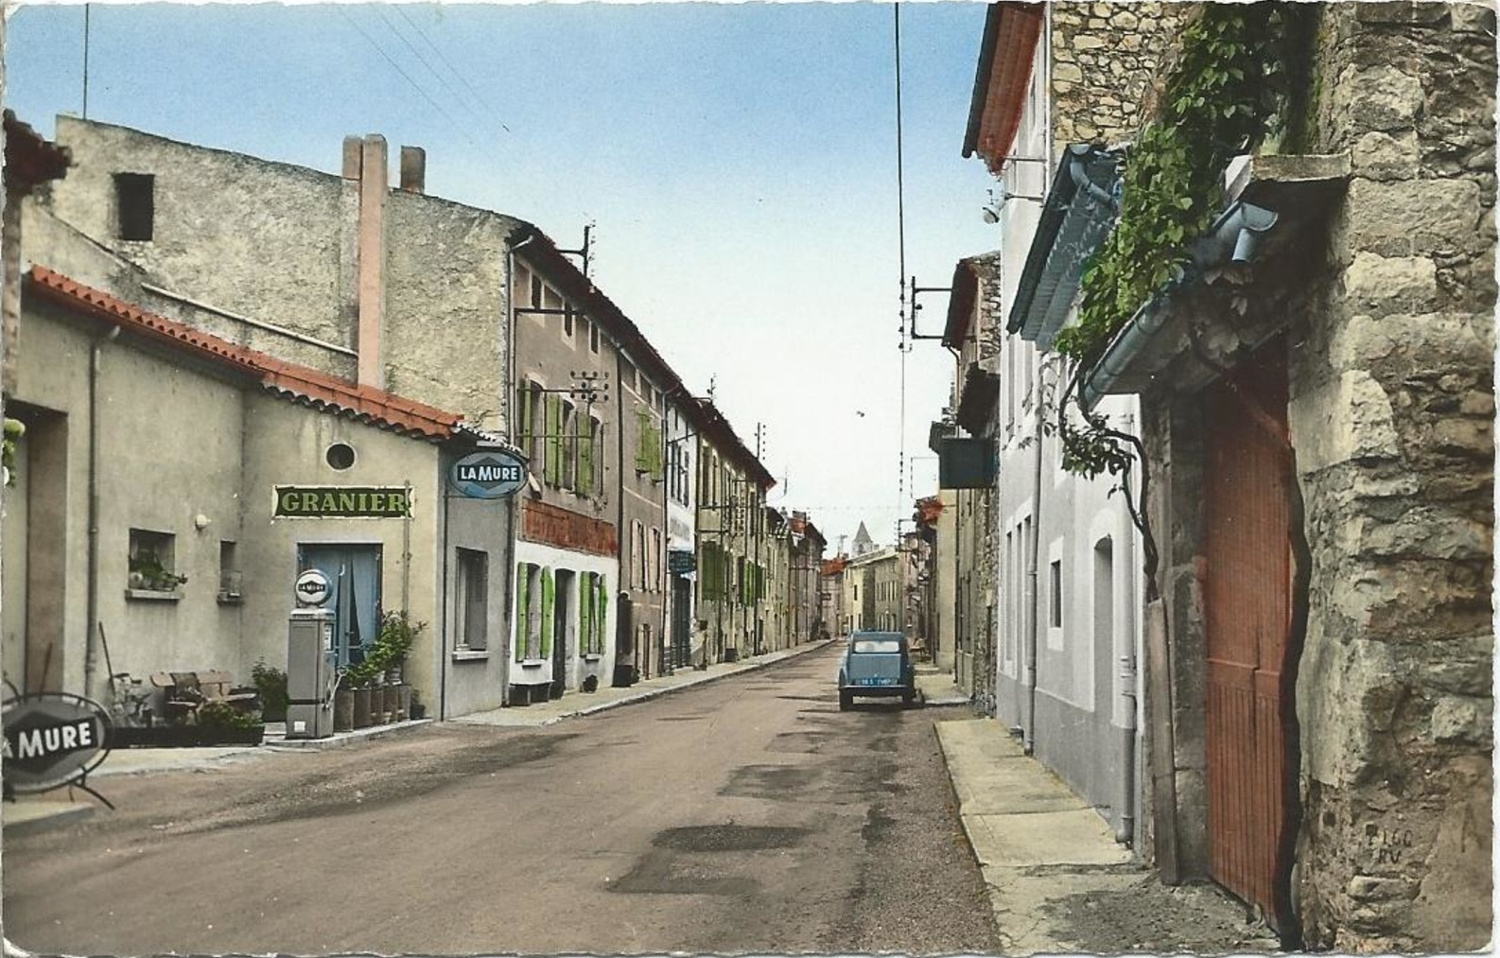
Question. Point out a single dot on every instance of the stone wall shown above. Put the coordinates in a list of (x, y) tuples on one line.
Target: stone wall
[(1105, 56), (1392, 415)]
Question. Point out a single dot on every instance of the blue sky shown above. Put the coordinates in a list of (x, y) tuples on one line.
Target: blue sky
[(737, 162)]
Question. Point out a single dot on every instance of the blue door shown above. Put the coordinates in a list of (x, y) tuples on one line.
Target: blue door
[(354, 571)]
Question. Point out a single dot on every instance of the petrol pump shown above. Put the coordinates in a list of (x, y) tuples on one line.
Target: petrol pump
[(311, 662)]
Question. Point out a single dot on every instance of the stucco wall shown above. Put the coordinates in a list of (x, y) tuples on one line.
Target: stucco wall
[(272, 241), (284, 444)]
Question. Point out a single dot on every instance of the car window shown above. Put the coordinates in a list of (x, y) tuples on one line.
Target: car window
[(877, 645)]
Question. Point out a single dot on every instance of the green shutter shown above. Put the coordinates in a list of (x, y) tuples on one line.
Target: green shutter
[(552, 440), (548, 589), (585, 483), (523, 606), (586, 613), (600, 609), (642, 441)]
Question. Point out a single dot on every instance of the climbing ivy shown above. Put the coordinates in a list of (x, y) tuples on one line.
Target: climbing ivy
[(1224, 95)]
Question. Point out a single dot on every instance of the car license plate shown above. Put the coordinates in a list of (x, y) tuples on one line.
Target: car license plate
[(878, 680)]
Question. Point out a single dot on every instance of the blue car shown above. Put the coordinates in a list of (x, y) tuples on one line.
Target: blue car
[(876, 664)]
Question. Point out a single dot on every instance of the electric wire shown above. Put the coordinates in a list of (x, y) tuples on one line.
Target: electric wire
[(416, 53), (475, 94), (406, 76)]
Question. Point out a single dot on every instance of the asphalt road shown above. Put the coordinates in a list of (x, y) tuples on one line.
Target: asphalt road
[(744, 815)]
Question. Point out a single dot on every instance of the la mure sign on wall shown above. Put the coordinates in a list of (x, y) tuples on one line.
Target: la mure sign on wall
[(342, 502), (492, 474)]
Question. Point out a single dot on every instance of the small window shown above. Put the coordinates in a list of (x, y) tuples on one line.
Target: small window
[(536, 291), (1057, 594), (473, 599), (153, 564), (568, 322), (593, 337), (877, 646), (340, 455), (230, 577), (135, 205)]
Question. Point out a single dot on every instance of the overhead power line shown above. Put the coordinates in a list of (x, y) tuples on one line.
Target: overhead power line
[(406, 76), (475, 94)]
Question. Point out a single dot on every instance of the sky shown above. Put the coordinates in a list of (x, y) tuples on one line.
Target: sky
[(737, 164)]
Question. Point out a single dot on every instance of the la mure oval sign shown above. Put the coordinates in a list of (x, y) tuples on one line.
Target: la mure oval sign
[(491, 474), (52, 739)]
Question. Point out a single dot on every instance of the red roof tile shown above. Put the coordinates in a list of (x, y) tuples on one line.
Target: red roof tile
[(294, 381)]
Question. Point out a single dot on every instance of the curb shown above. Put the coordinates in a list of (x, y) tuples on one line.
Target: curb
[(45, 815), (748, 665)]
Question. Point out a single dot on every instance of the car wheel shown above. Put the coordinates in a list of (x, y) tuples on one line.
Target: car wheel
[(908, 697), (846, 700)]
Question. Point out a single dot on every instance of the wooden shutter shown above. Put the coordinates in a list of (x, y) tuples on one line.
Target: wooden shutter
[(523, 609), (553, 440), (548, 597), (585, 482)]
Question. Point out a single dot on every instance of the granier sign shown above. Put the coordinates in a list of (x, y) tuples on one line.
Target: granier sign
[(52, 739), (491, 474), (342, 502)]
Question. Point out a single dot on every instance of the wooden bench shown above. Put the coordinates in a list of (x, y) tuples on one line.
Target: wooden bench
[(187, 692)]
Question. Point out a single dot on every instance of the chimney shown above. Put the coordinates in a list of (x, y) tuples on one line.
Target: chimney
[(413, 169), (353, 145), (374, 183)]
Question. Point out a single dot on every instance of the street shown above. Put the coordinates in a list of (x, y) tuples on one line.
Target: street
[(744, 815)]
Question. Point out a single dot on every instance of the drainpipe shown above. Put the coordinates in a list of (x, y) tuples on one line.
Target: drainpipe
[(90, 645), (507, 402), (1125, 834), (1034, 600)]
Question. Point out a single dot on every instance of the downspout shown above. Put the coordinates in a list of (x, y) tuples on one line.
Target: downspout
[(1034, 600), (1125, 834), (507, 402), (447, 616), (90, 644), (621, 533)]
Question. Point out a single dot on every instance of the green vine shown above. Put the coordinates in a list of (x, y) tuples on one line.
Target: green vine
[(14, 430), (1223, 97)]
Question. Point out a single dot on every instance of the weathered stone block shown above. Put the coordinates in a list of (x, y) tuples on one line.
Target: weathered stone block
[(1349, 418), (1387, 156), (1420, 217), (1469, 721), (1425, 531), (1389, 99), (1382, 285)]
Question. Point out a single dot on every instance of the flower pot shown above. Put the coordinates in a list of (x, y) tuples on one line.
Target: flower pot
[(393, 702), (403, 707), (362, 708), (343, 710)]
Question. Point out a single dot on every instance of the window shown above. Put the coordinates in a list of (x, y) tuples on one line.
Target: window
[(593, 337), (135, 205), (153, 562), (340, 456), (472, 600), (567, 323), (536, 291), (637, 556), (627, 376), (654, 570), (230, 577), (1056, 603)]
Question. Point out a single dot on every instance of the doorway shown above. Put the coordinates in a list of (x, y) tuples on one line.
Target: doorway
[(354, 574)]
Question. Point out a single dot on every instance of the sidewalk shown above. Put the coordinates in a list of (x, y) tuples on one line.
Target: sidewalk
[(1058, 880)]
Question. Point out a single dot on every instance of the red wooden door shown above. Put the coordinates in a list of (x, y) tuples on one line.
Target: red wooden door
[(1247, 611)]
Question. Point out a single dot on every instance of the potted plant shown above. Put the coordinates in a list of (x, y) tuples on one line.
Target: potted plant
[(270, 682), (147, 572), (393, 643), (221, 723)]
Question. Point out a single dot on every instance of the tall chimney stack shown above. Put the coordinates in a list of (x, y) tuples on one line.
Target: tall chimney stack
[(374, 183)]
